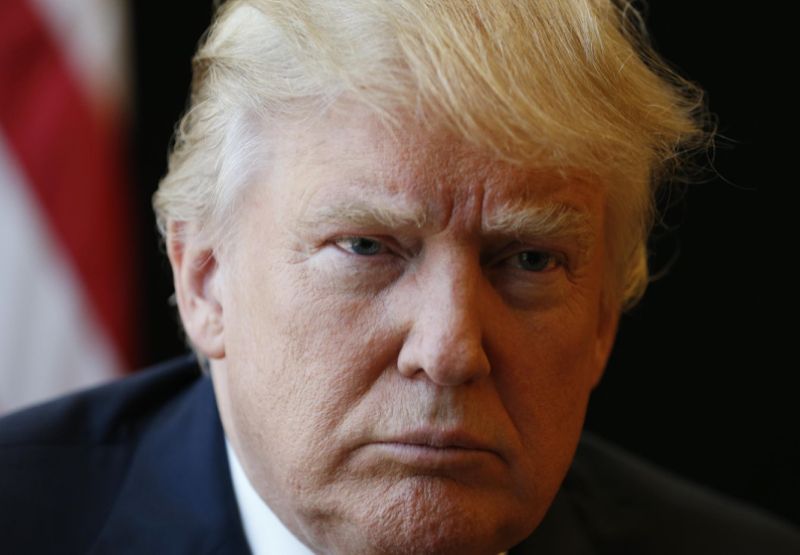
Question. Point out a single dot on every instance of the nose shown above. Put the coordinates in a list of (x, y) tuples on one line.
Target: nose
[(445, 333)]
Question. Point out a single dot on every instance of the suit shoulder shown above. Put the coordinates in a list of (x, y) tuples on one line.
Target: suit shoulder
[(106, 413), (62, 462), (632, 506)]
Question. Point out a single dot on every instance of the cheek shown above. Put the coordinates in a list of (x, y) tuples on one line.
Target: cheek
[(544, 374), (300, 359)]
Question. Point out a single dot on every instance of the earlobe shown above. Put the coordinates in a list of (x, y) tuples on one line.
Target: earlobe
[(196, 277)]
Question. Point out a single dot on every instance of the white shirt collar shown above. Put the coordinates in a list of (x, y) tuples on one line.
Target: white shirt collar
[(265, 533)]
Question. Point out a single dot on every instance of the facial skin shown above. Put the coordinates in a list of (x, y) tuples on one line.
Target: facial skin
[(397, 372)]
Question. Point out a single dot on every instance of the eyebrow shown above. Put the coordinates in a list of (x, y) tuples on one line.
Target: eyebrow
[(554, 220), (519, 219), (364, 214)]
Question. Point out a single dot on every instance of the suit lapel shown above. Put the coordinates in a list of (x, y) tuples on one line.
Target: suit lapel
[(177, 496)]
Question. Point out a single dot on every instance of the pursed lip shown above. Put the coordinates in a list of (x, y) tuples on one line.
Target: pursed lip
[(441, 440)]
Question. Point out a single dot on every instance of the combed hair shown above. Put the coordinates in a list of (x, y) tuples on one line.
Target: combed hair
[(569, 85)]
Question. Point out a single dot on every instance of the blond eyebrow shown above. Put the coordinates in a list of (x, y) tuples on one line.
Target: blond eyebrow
[(520, 220), (553, 220), (360, 213)]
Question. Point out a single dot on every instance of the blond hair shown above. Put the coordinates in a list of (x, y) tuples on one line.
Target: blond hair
[(572, 85)]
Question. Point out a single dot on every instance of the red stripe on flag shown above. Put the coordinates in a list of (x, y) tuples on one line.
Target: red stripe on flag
[(71, 155)]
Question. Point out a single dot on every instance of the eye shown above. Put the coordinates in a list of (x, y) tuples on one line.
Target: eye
[(535, 261), (362, 246)]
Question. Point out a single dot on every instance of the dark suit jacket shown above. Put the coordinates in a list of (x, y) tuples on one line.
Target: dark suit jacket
[(139, 466)]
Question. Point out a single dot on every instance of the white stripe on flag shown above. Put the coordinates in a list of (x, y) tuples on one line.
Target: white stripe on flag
[(93, 36), (49, 343)]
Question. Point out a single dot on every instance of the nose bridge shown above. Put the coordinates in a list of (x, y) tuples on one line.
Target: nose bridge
[(458, 292), (445, 340)]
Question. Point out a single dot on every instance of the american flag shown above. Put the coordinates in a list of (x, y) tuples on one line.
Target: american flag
[(66, 256)]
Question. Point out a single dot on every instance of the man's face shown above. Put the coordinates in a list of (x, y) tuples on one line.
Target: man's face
[(411, 334)]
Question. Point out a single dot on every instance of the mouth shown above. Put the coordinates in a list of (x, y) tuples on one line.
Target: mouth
[(437, 449)]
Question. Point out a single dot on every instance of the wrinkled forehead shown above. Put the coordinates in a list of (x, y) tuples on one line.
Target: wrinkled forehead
[(350, 149)]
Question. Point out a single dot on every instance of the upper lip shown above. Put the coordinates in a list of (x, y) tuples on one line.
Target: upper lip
[(441, 439)]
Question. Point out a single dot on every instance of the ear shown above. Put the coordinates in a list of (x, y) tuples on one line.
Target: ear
[(197, 289), (607, 323)]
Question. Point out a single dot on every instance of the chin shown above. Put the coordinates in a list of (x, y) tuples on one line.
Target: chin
[(429, 515)]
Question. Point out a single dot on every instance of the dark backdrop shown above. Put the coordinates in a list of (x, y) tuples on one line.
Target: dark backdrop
[(688, 384)]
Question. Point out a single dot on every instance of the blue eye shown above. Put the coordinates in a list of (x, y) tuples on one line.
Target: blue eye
[(363, 246), (535, 261)]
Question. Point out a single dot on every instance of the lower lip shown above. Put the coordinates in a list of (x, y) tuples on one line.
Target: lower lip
[(433, 457)]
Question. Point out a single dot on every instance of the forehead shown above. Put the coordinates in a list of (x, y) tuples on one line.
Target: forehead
[(349, 153)]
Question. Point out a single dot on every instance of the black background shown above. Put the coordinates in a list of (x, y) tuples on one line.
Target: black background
[(688, 384)]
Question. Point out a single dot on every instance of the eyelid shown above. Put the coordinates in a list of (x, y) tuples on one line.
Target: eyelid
[(346, 238), (559, 259), (498, 251), (555, 260)]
